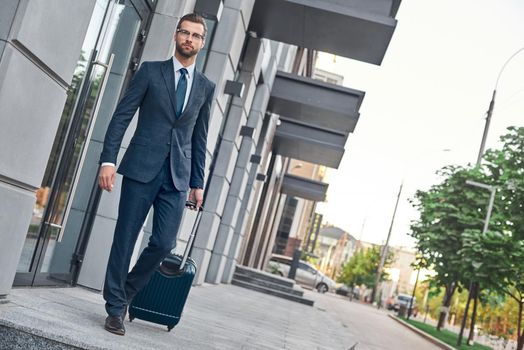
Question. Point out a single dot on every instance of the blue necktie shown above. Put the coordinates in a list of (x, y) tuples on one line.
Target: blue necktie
[(181, 91)]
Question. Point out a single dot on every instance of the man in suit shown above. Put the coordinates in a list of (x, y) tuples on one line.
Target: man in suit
[(166, 157)]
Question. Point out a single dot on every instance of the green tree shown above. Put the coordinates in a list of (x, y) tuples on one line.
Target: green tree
[(362, 267), (498, 256), (446, 211), (506, 169), (449, 237), (499, 259)]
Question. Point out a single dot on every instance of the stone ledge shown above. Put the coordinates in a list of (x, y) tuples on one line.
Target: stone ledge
[(13, 338), (267, 284), (276, 293), (264, 275)]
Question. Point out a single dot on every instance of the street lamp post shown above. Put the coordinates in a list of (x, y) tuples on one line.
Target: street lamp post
[(473, 289), (474, 286), (493, 191), (413, 294), (492, 106), (385, 248), (384, 252)]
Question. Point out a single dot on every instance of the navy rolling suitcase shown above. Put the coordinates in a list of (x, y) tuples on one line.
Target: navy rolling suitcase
[(162, 300)]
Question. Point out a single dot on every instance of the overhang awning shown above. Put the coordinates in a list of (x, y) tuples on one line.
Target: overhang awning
[(358, 29), (309, 143), (304, 188), (315, 102)]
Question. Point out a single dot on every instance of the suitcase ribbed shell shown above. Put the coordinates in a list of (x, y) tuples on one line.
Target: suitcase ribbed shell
[(163, 298)]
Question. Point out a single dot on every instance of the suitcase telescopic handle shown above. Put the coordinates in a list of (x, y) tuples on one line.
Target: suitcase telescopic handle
[(187, 251)]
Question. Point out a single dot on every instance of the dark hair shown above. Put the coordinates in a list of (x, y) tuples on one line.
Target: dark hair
[(195, 18)]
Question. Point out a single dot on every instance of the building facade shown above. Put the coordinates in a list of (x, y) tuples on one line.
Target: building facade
[(335, 247), (401, 273), (301, 211), (63, 68)]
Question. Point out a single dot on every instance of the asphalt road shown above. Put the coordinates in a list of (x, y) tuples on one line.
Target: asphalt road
[(371, 328)]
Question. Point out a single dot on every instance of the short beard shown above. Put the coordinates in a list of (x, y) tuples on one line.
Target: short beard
[(185, 54)]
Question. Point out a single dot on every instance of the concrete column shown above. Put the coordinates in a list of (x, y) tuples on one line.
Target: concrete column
[(269, 214), (262, 145), (270, 241), (224, 55), (244, 216), (222, 247), (247, 234), (258, 221), (34, 80), (241, 152)]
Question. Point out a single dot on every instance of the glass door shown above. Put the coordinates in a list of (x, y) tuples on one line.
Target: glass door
[(115, 35)]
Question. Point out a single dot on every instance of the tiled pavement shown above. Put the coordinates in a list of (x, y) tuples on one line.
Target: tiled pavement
[(215, 317)]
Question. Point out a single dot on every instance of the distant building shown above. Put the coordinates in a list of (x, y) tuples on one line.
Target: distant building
[(297, 213), (366, 245), (402, 274), (334, 247)]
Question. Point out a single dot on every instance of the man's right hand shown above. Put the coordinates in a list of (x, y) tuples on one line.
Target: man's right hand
[(106, 177)]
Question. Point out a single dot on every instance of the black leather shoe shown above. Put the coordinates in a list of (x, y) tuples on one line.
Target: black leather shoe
[(114, 324)]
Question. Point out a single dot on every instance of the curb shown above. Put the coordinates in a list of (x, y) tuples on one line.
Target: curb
[(428, 337)]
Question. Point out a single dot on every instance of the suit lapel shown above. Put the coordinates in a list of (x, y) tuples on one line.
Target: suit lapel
[(196, 91), (168, 73)]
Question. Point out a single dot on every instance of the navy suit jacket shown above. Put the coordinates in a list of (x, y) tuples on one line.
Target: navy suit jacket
[(159, 132)]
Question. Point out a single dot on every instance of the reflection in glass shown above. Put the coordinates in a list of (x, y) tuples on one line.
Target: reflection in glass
[(28, 256), (65, 182), (113, 29), (204, 53), (118, 39)]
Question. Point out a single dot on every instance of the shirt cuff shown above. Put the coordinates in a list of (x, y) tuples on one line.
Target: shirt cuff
[(107, 164)]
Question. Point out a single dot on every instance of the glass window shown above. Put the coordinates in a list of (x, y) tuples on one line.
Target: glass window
[(204, 53), (65, 124)]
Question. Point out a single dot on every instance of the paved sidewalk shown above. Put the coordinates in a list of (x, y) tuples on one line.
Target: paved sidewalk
[(216, 317)]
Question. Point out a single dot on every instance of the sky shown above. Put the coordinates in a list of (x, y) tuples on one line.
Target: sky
[(424, 108)]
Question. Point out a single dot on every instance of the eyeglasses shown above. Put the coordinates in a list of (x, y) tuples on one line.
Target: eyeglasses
[(185, 34)]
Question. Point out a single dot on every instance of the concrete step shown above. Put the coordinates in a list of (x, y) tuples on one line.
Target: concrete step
[(267, 284), (263, 275), (276, 293)]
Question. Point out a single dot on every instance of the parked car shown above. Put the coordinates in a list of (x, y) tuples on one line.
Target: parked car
[(306, 276), (403, 300), (352, 293), (342, 289)]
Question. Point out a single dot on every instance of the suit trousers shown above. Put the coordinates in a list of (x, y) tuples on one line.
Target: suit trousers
[(136, 199)]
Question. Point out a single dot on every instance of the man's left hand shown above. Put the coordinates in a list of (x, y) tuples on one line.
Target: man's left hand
[(196, 195)]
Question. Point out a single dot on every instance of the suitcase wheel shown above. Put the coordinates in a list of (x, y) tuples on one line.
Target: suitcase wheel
[(131, 319), (169, 328)]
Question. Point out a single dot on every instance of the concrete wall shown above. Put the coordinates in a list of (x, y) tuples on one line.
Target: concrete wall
[(233, 191), (39, 46), (228, 239), (224, 56)]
